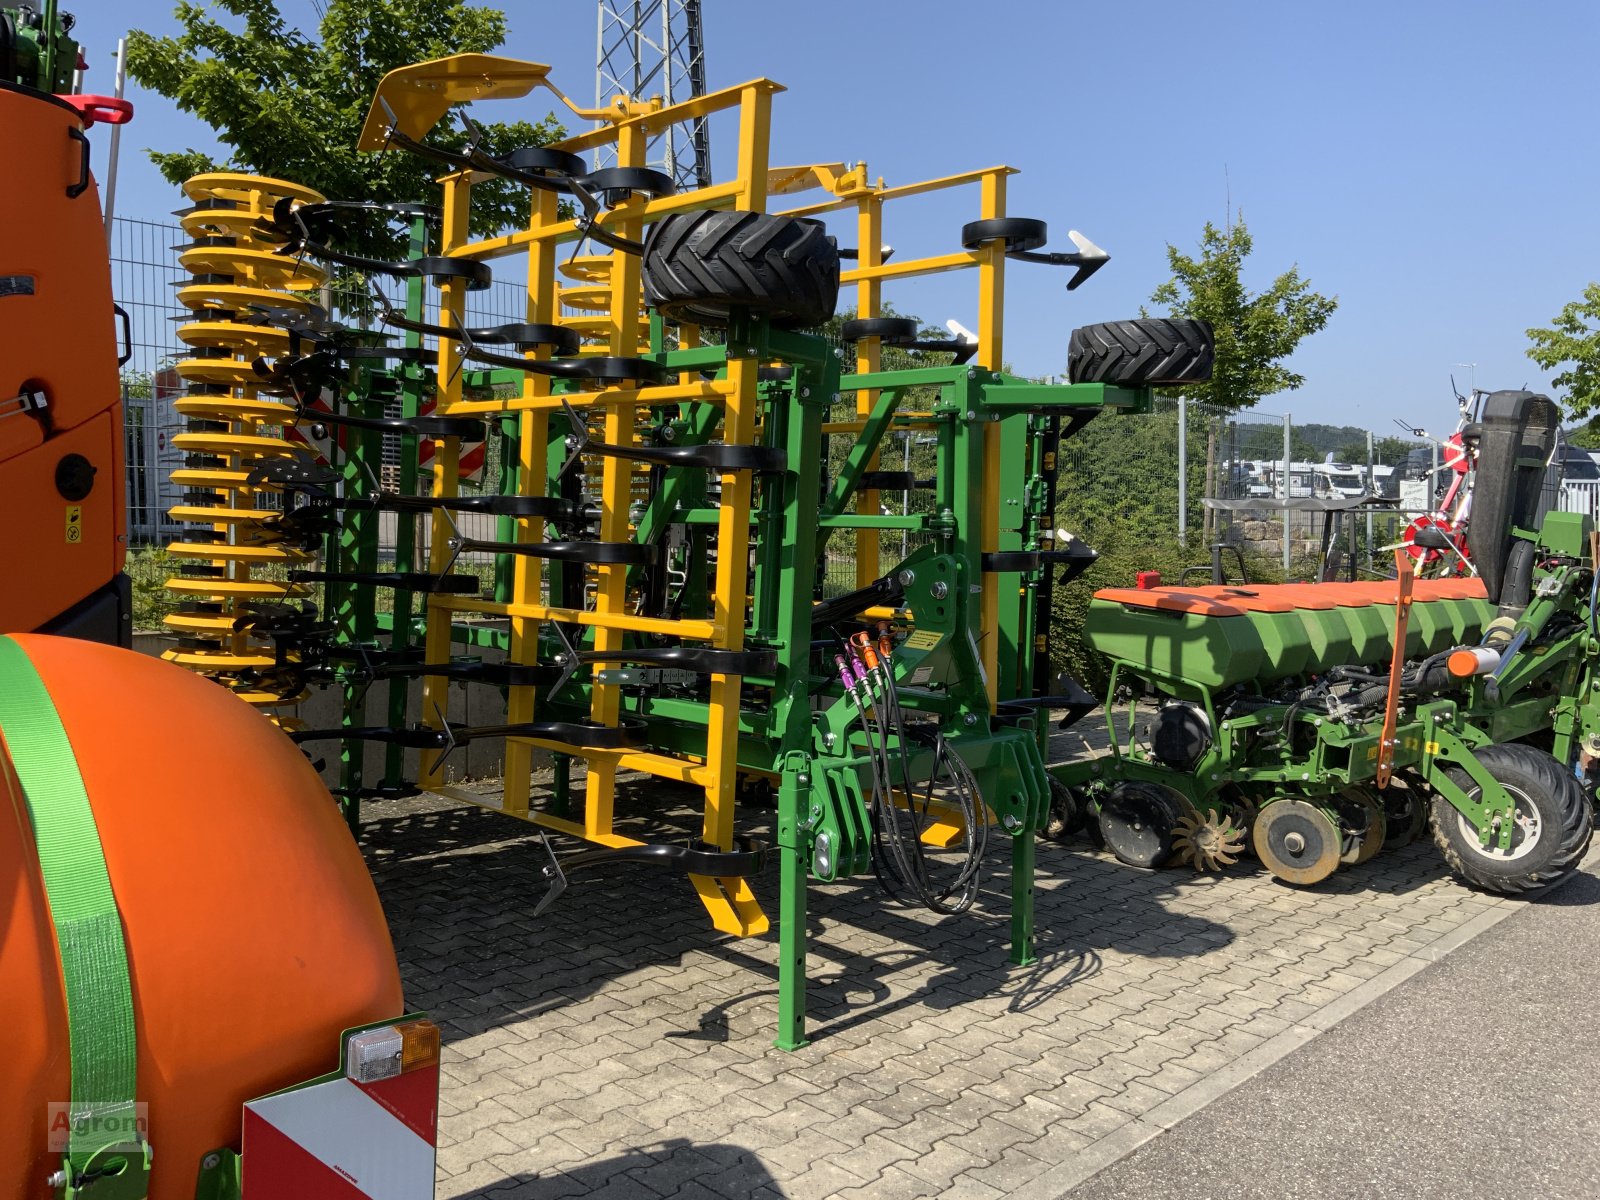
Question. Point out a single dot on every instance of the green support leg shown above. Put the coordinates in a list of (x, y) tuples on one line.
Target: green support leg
[(1022, 855), (356, 549), (794, 798)]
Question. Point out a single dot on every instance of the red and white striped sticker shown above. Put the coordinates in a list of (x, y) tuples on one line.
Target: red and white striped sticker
[(341, 1140), (473, 452)]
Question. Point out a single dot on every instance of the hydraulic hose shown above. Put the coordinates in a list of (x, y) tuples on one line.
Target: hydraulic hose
[(899, 859)]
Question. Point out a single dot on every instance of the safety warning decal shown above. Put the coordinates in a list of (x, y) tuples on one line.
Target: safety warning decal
[(74, 523)]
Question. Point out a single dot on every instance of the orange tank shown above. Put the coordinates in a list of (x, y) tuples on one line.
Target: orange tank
[(254, 933), (61, 467)]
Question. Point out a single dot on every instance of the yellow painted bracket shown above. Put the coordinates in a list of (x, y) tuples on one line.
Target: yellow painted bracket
[(948, 825), (830, 177), (732, 904), (412, 100)]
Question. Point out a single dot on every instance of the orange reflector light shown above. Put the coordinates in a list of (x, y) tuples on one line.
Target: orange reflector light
[(389, 1050), (419, 1044)]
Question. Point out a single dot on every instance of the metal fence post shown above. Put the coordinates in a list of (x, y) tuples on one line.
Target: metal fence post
[(1183, 470), (1288, 488), (1372, 486)]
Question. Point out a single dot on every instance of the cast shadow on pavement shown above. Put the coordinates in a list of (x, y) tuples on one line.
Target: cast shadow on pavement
[(459, 886), (676, 1166)]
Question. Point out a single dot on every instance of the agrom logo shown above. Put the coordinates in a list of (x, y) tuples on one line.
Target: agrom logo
[(121, 1124)]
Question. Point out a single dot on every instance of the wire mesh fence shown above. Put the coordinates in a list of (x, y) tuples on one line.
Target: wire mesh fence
[(147, 281), (147, 277)]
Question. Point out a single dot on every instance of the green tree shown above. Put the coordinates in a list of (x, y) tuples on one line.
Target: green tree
[(1255, 331), (292, 106), (1392, 451), (1386, 451), (1267, 442), (1584, 437), (1573, 342), (137, 385)]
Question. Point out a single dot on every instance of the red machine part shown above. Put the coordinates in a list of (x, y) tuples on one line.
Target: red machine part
[(108, 109), (1427, 556)]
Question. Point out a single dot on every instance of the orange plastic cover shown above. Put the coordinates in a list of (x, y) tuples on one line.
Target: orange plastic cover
[(254, 933), (1169, 600), (57, 336)]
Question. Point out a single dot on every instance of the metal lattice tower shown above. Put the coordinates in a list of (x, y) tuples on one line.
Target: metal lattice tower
[(649, 48)]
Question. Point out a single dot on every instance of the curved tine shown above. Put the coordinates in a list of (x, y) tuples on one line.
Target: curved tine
[(389, 130), (554, 873), (386, 309), (372, 476), (572, 660), (365, 672), (586, 200), (457, 543), (455, 530), (580, 435), (449, 737), (590, 224)]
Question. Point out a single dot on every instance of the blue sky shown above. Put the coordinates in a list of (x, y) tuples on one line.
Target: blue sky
[(1431, 164)]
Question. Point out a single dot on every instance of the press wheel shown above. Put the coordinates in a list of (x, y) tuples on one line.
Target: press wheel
[(1139, 820), (1297, 841)]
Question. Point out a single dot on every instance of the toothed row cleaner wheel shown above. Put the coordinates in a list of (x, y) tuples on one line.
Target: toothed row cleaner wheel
[(1209, 841)]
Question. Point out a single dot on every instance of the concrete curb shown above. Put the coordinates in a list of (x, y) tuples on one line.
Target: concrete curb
[(1119, 1144)]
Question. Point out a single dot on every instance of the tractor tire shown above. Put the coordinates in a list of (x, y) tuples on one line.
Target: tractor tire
[(1552, 818), (701, 267), (1148, 352)]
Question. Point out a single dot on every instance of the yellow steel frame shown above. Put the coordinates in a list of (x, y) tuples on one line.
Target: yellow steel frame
[(415, 103), (608, 292)]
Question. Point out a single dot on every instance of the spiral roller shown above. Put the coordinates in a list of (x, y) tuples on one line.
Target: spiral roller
[(587, 300), (233, 558)]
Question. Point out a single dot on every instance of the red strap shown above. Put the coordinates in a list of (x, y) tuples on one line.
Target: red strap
[(101, 108)]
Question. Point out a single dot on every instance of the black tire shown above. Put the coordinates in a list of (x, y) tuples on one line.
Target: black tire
[(1363, 824), (1066, 812), (1139, 822), (700, 267), (1148, 352), (1406, 811), (1545, 794)]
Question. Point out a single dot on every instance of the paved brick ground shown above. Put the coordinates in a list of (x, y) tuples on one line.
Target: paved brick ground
[(616, 1046)]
